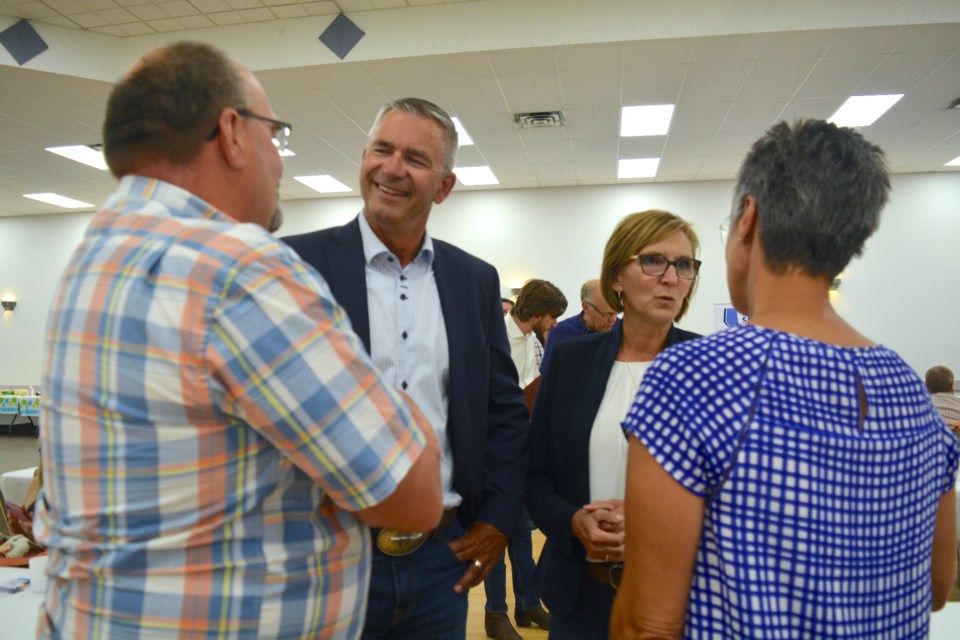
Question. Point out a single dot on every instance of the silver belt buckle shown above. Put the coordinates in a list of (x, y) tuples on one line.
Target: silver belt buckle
[(396, 543)]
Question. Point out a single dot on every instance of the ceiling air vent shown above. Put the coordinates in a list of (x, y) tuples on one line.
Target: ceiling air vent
[(538, 119)]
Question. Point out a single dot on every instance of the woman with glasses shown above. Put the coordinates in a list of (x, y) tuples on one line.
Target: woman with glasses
[(577, 447), (789, 478)]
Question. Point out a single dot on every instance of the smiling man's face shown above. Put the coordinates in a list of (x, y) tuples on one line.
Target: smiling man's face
[(402, 174)]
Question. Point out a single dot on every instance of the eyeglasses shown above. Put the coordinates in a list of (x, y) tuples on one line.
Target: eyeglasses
[(724, 231), (607, 315), (281, 130), (654, 264)]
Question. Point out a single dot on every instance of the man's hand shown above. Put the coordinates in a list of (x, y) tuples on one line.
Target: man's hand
[(482, 543)]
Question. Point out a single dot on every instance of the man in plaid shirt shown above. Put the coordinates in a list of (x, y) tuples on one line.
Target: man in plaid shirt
[(215, 438)]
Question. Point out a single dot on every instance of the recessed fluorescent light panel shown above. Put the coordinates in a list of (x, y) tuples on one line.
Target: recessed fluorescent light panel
[(638, 168), (58, 200), (863, 111), (287, 152), (953, 163), (462, 136), (474, 176), (323, 184), (648, 120), (81, 153)]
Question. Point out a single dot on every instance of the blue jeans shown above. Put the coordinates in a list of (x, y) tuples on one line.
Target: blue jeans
[(590, 617), (412, 596), (522, 567)]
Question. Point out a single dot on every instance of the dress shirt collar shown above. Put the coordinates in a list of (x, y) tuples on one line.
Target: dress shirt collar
[(373, 247)]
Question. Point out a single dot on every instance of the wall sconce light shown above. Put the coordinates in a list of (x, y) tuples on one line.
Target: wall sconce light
[(8, 305), (835, 285)]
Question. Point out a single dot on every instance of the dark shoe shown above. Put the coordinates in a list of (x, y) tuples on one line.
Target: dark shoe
[(498, 627), (530, 617)]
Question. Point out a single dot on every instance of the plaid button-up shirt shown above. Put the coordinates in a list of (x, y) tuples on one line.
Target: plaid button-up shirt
[(209, 422)]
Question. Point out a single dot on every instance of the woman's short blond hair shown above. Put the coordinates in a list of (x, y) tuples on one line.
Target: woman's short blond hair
[(631, 235)]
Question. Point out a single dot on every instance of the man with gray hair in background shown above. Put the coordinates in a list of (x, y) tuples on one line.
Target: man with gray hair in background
[(595, 316), (430, 315)]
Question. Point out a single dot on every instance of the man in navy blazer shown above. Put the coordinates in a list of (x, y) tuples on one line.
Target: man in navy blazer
[(430, 316)]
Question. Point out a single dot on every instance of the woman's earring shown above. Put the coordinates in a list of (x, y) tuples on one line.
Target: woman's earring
[(619, 295)]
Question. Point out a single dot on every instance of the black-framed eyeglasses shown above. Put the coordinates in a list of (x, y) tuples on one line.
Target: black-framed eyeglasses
[(281, 130), (607, 315), (654, 264)]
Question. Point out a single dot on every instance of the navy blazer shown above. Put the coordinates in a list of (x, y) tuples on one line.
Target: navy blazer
[(488, 423), (559, 481)]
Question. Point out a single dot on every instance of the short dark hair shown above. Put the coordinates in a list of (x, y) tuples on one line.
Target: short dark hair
[(819, 190), (939, 380), (425, 109), (539, 298), (164, 107)]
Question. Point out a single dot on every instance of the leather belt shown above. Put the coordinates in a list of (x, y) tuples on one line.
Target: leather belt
[(605, 572), (394, 542)]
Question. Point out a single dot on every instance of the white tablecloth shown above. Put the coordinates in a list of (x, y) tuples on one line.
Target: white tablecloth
[(19, 611), (14, 484)]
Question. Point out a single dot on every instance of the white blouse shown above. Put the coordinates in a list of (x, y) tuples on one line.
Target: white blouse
[(608, 444)]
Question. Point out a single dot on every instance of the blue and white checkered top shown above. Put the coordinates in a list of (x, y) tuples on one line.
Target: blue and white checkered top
[(817, 523)]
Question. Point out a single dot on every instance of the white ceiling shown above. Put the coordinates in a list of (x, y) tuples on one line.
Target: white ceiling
[(485, 60)]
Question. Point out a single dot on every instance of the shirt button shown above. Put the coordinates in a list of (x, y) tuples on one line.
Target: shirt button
[(404, 335), (403, 296), (403, 385)]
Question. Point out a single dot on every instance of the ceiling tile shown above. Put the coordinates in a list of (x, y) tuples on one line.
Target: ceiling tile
[(708, 81), (539, 92), (591, 56), (839, 76), (643, 147), (256, 15), (474, 95), (771, 79), (934, 37), (403, 70), (458, 65), (596, 149), (590, 88), (697, 117), (593, 123), (549, 151), (522, 62), (750, 115), (860, 41), (687, 144), (900, 72), (821, 108), (796, 45), (739, 47), (652, 85), (657, 53)]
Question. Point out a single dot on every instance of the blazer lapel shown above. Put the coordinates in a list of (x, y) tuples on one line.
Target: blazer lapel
[(348, 280)]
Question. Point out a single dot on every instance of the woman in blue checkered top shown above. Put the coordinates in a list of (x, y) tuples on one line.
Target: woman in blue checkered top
[(789, 478)]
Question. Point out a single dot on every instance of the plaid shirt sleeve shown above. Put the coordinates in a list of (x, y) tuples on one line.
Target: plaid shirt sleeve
[(290, 367)]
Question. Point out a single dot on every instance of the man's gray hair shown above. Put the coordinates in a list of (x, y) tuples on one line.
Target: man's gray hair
[(588, 288), (819, 191), (425, 109)]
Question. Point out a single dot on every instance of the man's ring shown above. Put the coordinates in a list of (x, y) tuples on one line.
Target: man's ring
[(478, 564)]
